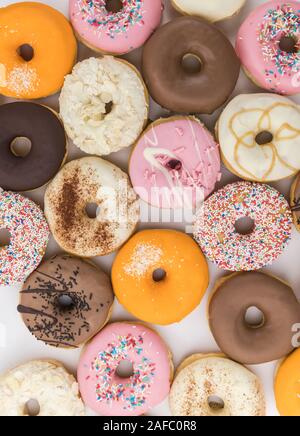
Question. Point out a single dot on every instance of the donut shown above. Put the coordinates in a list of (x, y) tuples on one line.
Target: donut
[(37, 132), (268, 45), (38, 48), (28, 237), (104, 105), (192, 71), (213, 385), (66, 301), (46, 383), (109, 394), (213, 10), (115, 26), (287, 385), (175, 163), (84, 182), (295, 202), (259, 137), (160, 276), (216, 226), (258, 343)]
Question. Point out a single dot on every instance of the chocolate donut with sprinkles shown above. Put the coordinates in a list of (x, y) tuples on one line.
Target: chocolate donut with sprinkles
[(219, 226), (66, 301), (115, 26), (108, 393), (28, 233)]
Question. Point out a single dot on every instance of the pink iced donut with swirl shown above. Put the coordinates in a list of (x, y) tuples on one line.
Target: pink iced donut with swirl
[(104, 391), (268, 45), (218, 234), (175, 163), (115, 27)]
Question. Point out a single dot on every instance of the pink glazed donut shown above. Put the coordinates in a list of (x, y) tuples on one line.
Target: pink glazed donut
[(268, 45), (115, 26), (108, 394), (175, 163)]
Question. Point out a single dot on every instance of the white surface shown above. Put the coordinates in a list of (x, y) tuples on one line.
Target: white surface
[(190, 336)]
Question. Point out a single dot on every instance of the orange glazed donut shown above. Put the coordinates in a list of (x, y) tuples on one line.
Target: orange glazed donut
[(37, 50), (287, 385), (160, 276)]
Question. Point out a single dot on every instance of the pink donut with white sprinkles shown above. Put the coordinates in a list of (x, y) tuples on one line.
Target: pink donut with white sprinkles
[(217, 233), (29, 236), (105, 391), (115, 27)]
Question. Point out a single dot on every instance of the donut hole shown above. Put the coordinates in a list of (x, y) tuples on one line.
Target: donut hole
[(215, 403), (191, 63), (20, 146), (264, 138), (26, 52), (174, 164), (288, 44), (125, 369), (114, 6), (65, 302), (254, 318), (32, 408), (5, 237), (159, 275), (245, 225), (109, 107), (92, 210)]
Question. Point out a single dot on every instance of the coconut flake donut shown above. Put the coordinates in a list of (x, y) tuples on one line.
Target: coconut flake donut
[(287, 386), (268, 45), (175, 163), (115, 26), (29, 236), (38, 48), (84, 183), (216, 226), (106, 392), (213, 385), (212, 10), (37, 132), (160, 276), (66, 301), (259, 137), (268, 339), (53, 390), (192, 71), (104, 105)]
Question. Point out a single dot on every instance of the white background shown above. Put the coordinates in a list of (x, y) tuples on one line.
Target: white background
[(190, 336)]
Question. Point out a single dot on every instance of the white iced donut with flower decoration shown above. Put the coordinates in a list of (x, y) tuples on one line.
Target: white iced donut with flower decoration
[(211, 10), (29, 236), (217, 231), (108, 394), (40, 388), (104, 105), (115, 26), (259, 136), (268, 45)]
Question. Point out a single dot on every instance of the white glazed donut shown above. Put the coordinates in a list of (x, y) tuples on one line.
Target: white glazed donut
[(259, 136), (212, 385), (47, 383), (211, 10), (104, 105), (91, 181)]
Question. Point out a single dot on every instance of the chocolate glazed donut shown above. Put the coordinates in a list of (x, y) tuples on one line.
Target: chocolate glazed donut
[(190, 66), (66, 301), (41, 150), (253, 344)]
